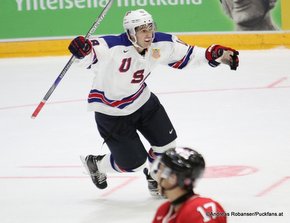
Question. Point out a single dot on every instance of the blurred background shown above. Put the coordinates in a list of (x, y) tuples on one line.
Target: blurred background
[(44, 27)]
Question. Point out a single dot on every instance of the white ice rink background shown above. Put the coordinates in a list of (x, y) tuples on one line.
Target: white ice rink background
[(239, 120)]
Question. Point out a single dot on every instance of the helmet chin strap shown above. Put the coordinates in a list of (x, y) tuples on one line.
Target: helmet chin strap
[(133, 42), (136, 44)]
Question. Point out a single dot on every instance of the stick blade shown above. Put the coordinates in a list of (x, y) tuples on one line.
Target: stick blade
[(37, 110)]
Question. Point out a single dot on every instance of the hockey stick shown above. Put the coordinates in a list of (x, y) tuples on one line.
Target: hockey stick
[(71, 60)]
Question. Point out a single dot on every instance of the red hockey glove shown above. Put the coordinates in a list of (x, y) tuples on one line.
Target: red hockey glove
[(80, 47), (216, 54)]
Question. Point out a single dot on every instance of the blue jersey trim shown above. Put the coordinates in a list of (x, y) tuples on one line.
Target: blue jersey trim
[(159, 37), (121, 40)]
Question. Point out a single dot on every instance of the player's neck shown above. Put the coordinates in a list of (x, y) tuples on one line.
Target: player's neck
[(181, 199), (175, 194), (141, 51)]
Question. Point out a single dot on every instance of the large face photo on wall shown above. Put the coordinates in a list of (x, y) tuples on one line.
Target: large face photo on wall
[(250, 15)]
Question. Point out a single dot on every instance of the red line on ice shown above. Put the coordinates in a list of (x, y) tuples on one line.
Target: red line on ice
[(275, 83), (270, 86), (273, 186), (120, 186), (54, 177)]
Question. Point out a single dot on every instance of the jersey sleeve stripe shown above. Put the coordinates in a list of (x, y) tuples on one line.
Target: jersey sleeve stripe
[(184, 61)]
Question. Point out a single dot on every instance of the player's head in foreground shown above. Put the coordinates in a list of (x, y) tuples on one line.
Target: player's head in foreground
[(177, 170), (140, 28)]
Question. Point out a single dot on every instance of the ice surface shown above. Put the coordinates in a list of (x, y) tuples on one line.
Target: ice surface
[(239, 120)]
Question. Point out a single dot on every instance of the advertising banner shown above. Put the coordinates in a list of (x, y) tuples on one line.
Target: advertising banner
[(62, 18)]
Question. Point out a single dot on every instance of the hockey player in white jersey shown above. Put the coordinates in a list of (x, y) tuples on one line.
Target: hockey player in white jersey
[(120, 98)]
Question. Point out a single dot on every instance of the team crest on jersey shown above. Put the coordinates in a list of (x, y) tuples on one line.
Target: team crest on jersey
[(155, 53)]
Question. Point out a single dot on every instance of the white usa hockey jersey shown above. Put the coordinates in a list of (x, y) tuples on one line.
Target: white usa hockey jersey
[(119, 86)]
